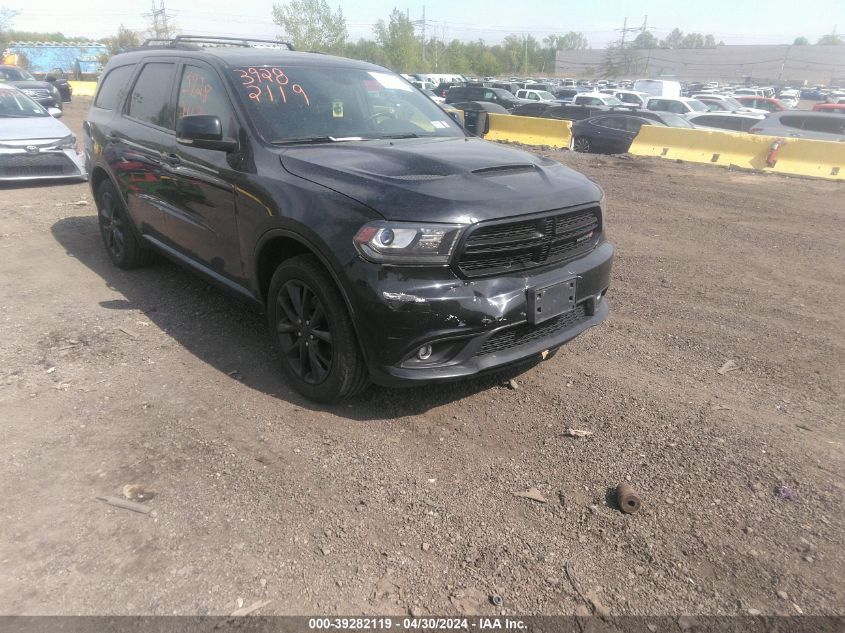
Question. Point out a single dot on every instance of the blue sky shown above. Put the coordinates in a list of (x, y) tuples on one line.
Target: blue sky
[(734, 21)]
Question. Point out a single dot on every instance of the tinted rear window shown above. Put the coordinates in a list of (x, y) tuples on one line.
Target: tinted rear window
[(114, 87), (151, 97)]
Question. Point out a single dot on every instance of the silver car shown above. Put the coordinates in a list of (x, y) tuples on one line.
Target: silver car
[(797, 124), (33, 144)]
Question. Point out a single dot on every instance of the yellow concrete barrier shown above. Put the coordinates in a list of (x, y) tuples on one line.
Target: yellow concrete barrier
[(803, 157), (83, 88), (820, 159), (529, 130)]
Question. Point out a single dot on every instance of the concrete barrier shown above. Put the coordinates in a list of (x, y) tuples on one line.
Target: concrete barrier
[(803, 157), (83, 88), (819, 159), (529, 130)]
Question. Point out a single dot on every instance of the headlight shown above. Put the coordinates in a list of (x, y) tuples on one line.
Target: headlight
[(68, 142), (407, 243)]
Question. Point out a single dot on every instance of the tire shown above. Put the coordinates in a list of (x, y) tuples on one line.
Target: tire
[(313, 332), (582, 144), (119, 236)]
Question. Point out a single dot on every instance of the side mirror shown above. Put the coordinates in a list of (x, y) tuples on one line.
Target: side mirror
[(204, 131), (50, 78), (55, 113)]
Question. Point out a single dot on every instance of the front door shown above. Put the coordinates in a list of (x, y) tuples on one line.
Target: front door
[(203, 222)]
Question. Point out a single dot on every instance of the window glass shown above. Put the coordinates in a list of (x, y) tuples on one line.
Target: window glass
[(613, 122), (114, 87), (825, 124), (200, 92), (298, 103), (150, 100)]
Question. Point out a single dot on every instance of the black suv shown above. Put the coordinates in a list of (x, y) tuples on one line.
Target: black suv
[(44, 92), (498, 96), (382, 240)]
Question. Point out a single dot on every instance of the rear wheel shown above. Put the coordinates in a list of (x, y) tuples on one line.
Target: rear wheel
[(119, 237), (313, 332), (582, 144)]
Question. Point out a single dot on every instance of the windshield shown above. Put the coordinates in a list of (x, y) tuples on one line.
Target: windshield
[(15, 104), (545, 96), (733, 103), (674, 120), (697, 106), (612, 101), (315, 103), (15, 74)]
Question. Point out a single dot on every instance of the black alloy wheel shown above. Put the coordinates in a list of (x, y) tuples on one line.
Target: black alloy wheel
[(304, 332)]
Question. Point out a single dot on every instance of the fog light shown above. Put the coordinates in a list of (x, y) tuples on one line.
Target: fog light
[(598, 298), (424, 353)]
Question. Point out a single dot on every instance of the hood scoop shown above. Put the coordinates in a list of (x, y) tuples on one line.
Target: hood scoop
[(499, 169)]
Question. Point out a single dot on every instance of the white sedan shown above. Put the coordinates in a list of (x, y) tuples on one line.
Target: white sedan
[(33, 144)]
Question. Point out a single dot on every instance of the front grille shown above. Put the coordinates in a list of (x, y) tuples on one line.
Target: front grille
[(503, 247), (36, 93), (36, 166), (527, 333)]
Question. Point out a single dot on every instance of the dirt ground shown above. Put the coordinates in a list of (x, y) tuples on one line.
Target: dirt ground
[(403, 500)]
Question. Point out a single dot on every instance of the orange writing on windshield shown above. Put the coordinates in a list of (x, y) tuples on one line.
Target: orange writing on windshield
[(269, 84)]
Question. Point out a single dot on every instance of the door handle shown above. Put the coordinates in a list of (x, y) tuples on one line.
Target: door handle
[(172, 159)]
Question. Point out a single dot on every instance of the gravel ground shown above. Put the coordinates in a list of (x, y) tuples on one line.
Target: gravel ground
[(403, 500)]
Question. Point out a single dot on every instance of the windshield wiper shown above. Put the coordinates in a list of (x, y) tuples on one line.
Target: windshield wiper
[(310, 140), (394, 136)]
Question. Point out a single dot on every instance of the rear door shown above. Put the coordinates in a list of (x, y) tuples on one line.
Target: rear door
[(144, 136)]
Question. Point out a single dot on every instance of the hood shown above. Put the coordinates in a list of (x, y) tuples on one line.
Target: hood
[(441, 179), (44, 85), (31, 129)]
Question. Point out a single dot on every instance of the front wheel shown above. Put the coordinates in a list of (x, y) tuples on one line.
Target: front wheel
[(582, 144), (313, 332)]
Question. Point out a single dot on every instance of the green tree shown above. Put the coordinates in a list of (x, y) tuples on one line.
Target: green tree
[(400, 44), (366, 50), (709, 41), (123, 40), (692, 40), (801, 41), (645, 40), (673, 40), (311, 25), (831, 39)]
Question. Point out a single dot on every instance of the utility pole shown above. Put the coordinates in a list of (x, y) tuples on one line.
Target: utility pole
[(421, 23), (634, 29), (160, 28), (525, 58)]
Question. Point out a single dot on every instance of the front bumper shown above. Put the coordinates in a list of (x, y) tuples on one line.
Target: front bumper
[(45, 164), (473, 325)]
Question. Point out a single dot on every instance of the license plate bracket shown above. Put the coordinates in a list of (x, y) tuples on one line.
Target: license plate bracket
[(550, 301)]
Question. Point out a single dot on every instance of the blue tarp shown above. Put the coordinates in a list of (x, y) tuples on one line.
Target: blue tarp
[(73, 58)]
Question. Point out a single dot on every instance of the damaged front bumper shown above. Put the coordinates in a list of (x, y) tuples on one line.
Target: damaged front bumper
[(31, 161), (427, 325)]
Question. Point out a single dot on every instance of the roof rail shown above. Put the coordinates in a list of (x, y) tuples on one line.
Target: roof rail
[(188, 40)]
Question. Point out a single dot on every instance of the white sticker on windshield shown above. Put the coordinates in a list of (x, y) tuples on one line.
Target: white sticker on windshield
[(440, 124), (391, 82)]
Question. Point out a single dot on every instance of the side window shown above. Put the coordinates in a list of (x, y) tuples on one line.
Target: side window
[(200, 92), (793, 121), (633, 125), (489, 94), (677, 107), (114, 88), (824, 124), (150, 99), (611, 122)]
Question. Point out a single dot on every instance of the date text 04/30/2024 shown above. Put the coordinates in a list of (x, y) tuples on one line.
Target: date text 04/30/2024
[(422, 623)]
